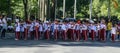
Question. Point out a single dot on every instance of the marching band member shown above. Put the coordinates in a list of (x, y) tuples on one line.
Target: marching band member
[(17, 31), (77, 30), (103, 31), (84, 31), (113, 32), (36, 27)]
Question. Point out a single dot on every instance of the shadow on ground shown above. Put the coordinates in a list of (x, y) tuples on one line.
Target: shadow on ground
[(50, 43), (9, 42)]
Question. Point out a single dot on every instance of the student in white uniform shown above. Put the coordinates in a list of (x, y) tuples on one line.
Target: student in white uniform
[(64, 31), (31, 29), (84, 31), (93, 31), (17, 31), (56, 28), (40, 30), (103, 31), (72, 31), (78, 30), (36, 30), (4, 28), (25, 30), (98, 30), (47, 26), (113, 32)]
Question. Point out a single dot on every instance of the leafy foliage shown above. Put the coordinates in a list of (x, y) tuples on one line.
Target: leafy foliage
[(99, 8)]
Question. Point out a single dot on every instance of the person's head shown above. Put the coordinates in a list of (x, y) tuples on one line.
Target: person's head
[(109, 20), (103, 21), (78, 21), (114, 25)]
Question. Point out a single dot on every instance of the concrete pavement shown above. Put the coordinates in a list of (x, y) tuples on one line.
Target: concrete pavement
[(44, 46), (9, 45)]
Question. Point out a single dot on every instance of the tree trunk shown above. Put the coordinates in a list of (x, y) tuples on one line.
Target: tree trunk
[(53, 10), (48, 9), (9, 8), (25, 2)]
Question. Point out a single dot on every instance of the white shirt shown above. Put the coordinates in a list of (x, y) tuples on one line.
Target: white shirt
[(16, 20), (4, 23), (102, 26), (17, 25), (69, 26), (1, 23), (98, 27), (36, 24), (60, 27), (40, 27), (25, 25), (56, 26), (64, 27), (84, 27), (77, 27), (93, 27), (46, 27), (72, 27), (31, 27), (113, 31)]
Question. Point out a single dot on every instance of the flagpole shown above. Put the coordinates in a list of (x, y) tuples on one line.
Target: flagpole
[(63, 9), (75, 8), (90, 9)]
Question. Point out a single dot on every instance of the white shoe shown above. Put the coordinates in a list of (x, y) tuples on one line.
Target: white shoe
[(16, 39)]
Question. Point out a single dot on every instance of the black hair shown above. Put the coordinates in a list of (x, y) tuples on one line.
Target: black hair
[(3, 16), (113, 25)]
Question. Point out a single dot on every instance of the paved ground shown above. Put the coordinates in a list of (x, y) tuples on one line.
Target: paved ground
[(44, 46)]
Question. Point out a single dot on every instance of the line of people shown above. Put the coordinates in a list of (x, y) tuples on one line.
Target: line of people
[(74, 31)]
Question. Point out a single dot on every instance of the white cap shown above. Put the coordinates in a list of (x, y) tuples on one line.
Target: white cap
[(91, 21), (17, 20)]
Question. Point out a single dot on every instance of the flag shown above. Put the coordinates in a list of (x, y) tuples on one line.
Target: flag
[(115, 3)]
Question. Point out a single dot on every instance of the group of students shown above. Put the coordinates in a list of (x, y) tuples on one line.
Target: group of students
[(74, 31)]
